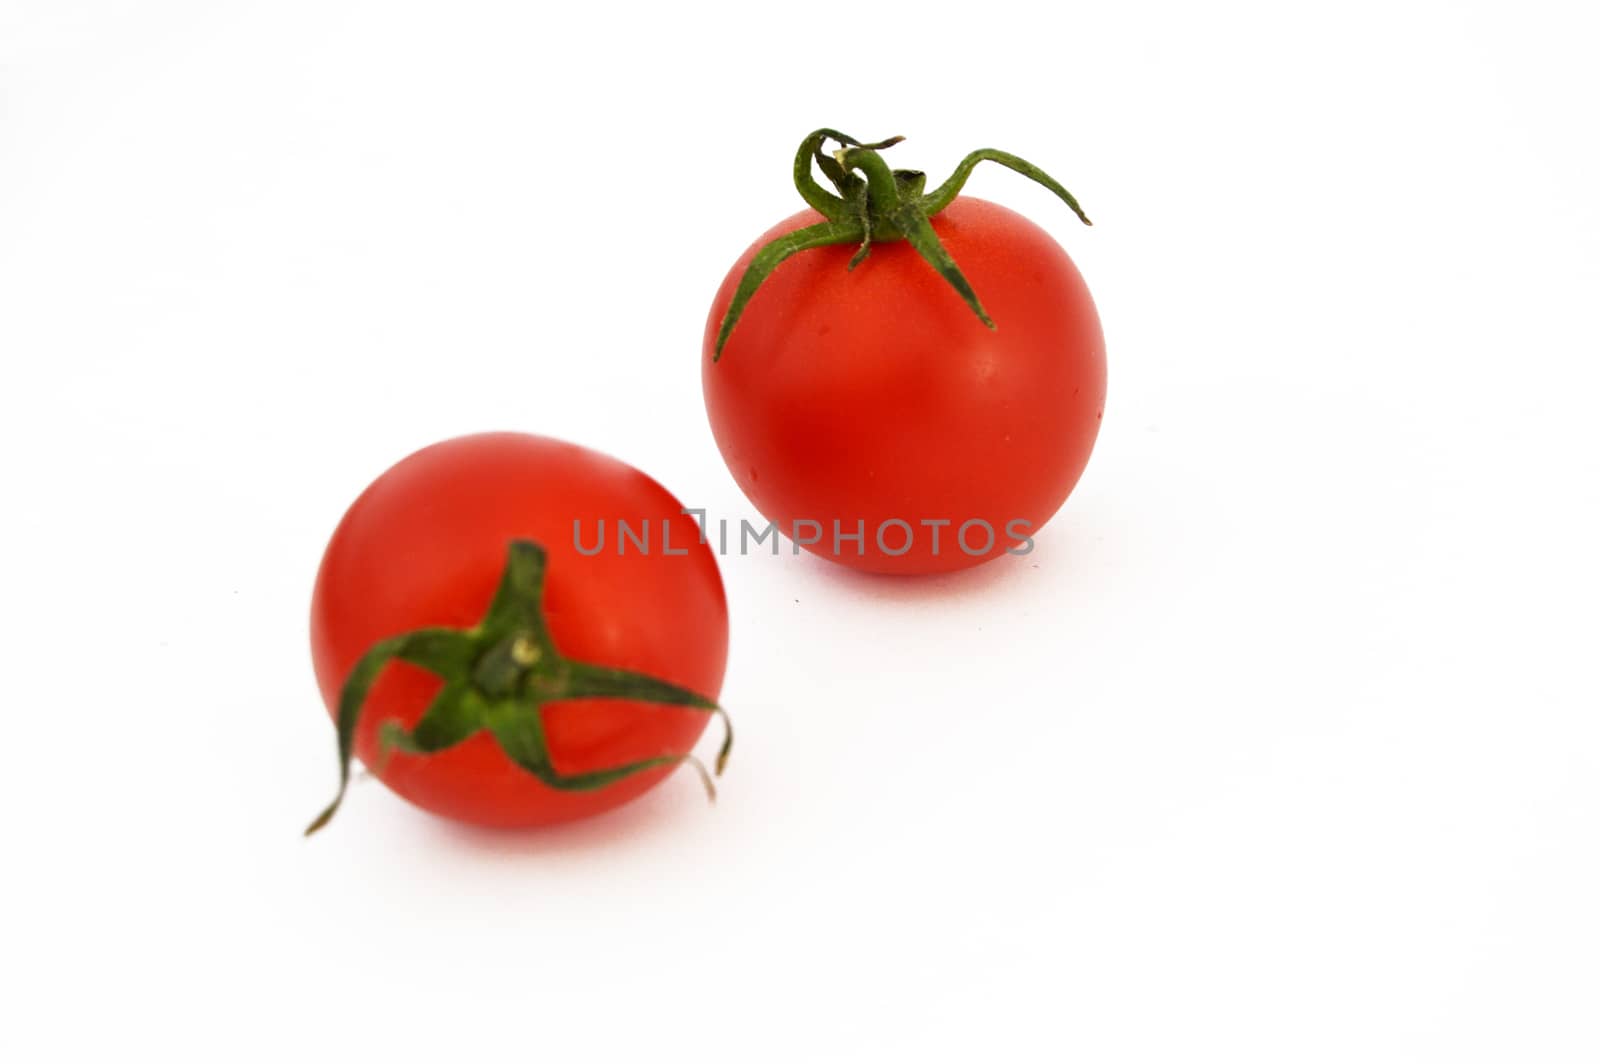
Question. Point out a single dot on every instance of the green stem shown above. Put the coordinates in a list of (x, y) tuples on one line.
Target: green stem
[(880, 205), (883, 192), (497, 677), (820, 199), (843, 231), (940, 198), (506, 663)]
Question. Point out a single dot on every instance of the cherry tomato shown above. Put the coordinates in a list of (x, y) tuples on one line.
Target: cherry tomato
[(875, 395), (425, 550)]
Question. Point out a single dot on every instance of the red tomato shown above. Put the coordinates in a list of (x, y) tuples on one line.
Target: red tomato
[(426, 545), (876, 395)]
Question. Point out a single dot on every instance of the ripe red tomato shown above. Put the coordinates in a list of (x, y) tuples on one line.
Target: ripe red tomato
[(875, 394), (425, 547)]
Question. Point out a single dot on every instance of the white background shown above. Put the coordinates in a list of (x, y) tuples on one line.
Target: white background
[(1282, 746)]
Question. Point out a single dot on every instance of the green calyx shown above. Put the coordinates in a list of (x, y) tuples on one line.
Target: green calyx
[(497, 675), (874, 205)]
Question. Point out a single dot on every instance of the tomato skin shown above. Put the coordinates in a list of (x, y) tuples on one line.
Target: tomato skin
[(425, 545), (877, 394)]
